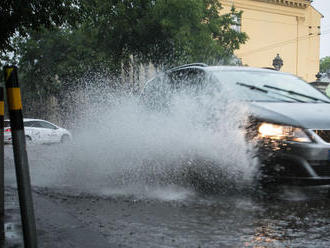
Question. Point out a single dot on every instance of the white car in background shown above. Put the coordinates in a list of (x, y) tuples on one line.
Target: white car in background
[(39, 132)]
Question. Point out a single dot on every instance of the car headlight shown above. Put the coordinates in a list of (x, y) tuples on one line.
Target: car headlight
[(281, 132)]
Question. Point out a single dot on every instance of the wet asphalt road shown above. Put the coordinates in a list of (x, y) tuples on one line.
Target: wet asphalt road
[(222, 221), (175, 217)]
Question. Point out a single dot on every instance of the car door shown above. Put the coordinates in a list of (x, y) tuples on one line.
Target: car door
[(34, 131), (50, 132), (29, 130)]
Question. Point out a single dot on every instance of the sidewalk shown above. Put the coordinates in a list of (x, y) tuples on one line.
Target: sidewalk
[(56, 228)]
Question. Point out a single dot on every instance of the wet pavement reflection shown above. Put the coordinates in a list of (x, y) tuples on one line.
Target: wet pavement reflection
[(176, 217), (213, 221)]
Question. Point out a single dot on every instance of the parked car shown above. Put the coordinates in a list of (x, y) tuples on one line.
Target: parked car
[(289, 120), (40, 132)]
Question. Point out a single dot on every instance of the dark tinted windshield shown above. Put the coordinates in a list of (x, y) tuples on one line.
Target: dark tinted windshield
[(291, 88)]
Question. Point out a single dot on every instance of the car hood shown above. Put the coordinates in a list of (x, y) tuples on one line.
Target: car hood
[(306, 115)]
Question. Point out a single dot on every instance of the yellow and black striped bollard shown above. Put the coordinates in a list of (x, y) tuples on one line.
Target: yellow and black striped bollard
[(2, 170), (20, 156)]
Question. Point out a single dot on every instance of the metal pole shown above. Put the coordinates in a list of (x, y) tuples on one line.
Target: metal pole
[(2, 176), (20, 157)]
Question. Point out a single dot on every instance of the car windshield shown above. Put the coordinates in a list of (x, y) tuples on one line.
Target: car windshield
[(268, 86)]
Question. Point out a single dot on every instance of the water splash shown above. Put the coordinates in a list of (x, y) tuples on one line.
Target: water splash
[(121, 146)]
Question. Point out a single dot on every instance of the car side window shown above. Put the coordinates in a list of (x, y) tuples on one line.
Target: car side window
[(28, 124), (47, 125), (189, 79), (35, 124)]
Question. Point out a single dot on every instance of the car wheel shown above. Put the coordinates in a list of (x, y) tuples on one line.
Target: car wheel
[(65, 139)]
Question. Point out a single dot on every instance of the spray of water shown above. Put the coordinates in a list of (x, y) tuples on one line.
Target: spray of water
[(122, 146)]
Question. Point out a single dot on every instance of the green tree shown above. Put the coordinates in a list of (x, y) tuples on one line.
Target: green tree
[(325, 64), (19, 17), (117, 34), (128, 32), (53, 61), (163, 32)]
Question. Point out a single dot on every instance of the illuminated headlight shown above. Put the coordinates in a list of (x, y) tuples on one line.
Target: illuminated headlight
[(280, 132)]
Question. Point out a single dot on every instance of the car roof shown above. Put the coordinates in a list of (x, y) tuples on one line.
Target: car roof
[(30, 119), (219, 68), (239, 68), (207, 68)]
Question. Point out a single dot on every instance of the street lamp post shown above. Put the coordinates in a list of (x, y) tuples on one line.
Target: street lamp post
[(277, 62)]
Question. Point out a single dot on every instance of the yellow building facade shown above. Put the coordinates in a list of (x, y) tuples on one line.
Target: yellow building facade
[(290, 28)]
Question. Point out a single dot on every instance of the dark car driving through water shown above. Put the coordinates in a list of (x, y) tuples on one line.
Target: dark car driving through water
[(289, 120)]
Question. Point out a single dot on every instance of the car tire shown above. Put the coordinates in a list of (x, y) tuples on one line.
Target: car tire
[(65, 139)]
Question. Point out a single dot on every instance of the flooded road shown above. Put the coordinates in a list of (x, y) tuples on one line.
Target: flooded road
[(217, 221), (175, 216)]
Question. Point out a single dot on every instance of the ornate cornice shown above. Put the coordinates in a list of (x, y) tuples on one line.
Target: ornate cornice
[(301, 4), (270, 8)]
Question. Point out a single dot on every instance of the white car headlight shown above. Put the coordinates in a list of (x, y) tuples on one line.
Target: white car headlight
[(281, 132)]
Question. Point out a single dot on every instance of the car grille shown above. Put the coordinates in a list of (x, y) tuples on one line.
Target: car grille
[(324, 134), (321, 167)]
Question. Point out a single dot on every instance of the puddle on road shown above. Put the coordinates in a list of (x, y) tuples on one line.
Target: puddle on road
[(205, 221)]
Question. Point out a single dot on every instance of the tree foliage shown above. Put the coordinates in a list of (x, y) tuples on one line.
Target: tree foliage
[(53, 61), (164, 32), (115, 35), (23, 16), (325, 64)]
